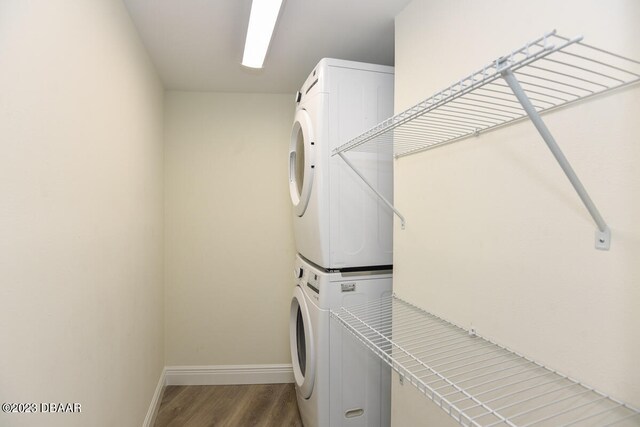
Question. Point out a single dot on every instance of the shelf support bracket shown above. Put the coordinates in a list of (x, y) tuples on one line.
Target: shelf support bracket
[(376, 192), (603, 233)]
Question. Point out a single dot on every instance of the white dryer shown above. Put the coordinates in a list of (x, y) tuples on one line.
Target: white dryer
[(338, 221), (338, 381)]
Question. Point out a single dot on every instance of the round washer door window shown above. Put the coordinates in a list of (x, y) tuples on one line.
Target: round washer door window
[(301, 161), (301, 343)]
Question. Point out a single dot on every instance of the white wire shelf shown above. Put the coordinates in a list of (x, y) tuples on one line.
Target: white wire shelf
[(553, 71), (477, 382)]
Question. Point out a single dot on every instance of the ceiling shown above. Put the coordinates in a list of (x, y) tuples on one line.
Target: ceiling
[(198, 44)]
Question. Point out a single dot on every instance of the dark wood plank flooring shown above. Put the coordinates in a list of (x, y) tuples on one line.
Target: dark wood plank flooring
[(263, 405)]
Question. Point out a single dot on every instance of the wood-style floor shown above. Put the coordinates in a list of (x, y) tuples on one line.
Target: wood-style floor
[(263, 405)]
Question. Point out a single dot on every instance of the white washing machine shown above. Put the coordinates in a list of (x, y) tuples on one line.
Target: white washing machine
[(339, 382), (338, 221)]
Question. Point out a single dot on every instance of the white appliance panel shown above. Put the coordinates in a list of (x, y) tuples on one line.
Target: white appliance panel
[(351, 385), (345, 224)]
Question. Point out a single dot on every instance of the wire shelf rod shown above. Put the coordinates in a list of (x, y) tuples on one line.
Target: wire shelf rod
[(498, 117), (408, 336), (406, 325), (385, 316), (550, 417), (438, 365), (449, 348), (516, 104), (511, 384), (477, 347), (526, 83), (437, 374), (559, 73), (409, 330), (561, 83), (492, 99), (452, 359), (443, 343), (588, 70), (472, 370), (603, 64), (451, 341), (505, 377), (384, 345), (506, 95), (449, 121), (607, 52), (418, 149), (506, 100), (429, 120), (434, 123), (477, 382), (435, 134), (511, 95), (564, 83), (384, 313), (426, 313), (517, 59), (489, 373), (528, 399), (506, 113), (472, 120), (477, 102), (429, 132), (537, 408)]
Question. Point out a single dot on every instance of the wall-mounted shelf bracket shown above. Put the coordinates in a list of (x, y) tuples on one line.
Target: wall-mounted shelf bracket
[(375, 191), (553, 71), (603, 233), (603, 239)]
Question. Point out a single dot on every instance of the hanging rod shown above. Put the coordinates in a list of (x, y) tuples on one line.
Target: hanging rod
[(552, 71), (477, 382)]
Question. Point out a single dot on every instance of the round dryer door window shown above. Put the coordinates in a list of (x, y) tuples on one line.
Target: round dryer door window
[(301, 342), (301, 161)]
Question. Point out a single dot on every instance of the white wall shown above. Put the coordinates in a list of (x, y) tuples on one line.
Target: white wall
[(229, 243), (496, 237), (81, 313)]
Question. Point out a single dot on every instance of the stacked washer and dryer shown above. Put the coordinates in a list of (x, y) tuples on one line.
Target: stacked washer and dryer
[(344, 239)]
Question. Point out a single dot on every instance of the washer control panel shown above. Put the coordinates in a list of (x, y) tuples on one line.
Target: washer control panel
[(313, 282)]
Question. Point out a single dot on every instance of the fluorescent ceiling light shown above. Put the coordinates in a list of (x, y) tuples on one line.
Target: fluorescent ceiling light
[(262, 21)]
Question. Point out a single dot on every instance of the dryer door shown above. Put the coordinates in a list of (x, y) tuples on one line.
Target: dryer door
[(301, 161), (301, 342)]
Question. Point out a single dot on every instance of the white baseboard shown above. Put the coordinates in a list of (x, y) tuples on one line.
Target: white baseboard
[(228, 374), (152, 412)]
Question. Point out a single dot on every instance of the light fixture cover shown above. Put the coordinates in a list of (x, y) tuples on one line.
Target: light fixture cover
[(262, 21)]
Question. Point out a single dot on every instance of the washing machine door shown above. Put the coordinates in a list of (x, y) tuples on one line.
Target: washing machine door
[(303, 356), (301, 161)]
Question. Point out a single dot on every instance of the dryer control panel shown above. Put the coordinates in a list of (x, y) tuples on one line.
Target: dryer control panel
[(313, 282), (307, 278)]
